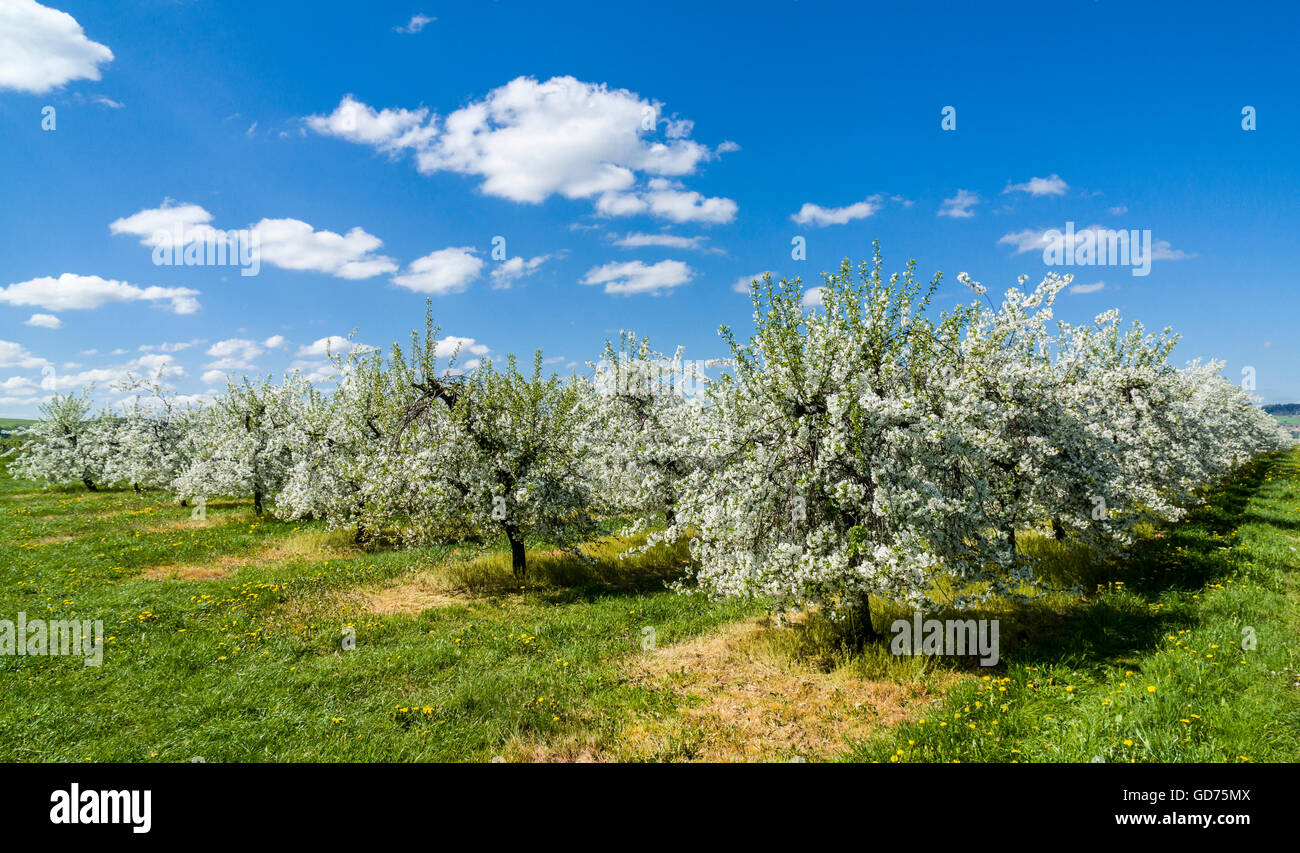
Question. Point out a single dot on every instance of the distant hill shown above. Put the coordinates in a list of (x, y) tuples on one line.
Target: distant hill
[(1283, 409), (9, 426)]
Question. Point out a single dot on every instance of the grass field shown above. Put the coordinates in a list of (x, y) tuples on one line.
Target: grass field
[(226, 642)]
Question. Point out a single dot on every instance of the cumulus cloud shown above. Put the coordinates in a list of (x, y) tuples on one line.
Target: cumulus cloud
[(1088, 288), (151, 224), (1051, 185), (44, 321), (816, 215), (812, 298), (274, 342), (43, 48), (742, 284), (155, 366), (506, 273), (335, 344), (286, 243), (16, 355), (19, 385), (444, 271), (86, 292), (294, 245), (391, 131), (453, 345), (234, 354), (959, 206), (637, 277), (529, 140)]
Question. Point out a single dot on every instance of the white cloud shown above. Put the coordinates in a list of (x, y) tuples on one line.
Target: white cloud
[(44, 321), (85, 292), (667, 200), (274, 342), (1027, 240), (1118, 210), (1051, 185), (151, 224), (234, 354), (19, 385), (213, 377), (529, 140), (814, 214), (286, 243), (1161, 250), (156, 367), (295, 245), (15, 355), (741, 285), (959, 206), (1033, 240), (453, 345), (43, 48), (177, 346), (336, 344), (107, 102), (1088, 288), (390, 131), (416, 24), (507, 272), (670, 241), (812, 298), (444, 271), (637, 277)]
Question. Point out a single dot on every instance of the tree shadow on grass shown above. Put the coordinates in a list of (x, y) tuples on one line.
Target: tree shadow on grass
[(1119, 623), (1182, 556)]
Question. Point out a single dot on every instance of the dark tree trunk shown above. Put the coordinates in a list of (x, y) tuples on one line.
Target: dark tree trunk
[(1011, 536), (518, 560), (257, 501), (184, 502), (1058, 530), (670, 514), (861, 631), (136, 487), (90, 484)]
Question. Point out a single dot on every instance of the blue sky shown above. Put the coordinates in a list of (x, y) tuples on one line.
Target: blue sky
[(379, 153)]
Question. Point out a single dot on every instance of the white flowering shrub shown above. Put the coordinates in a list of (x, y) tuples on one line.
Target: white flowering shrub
[(65, 446), (147, 445), (486, 449), (647, 413), (244, 443)]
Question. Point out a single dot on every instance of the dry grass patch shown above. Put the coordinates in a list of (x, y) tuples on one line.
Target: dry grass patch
[(747, 702), (184, 524), (404, 599), (221, 567), (312, 545), (48, 540)]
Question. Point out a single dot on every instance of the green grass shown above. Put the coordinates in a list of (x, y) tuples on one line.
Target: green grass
[(250, 667), (1288, 419)]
